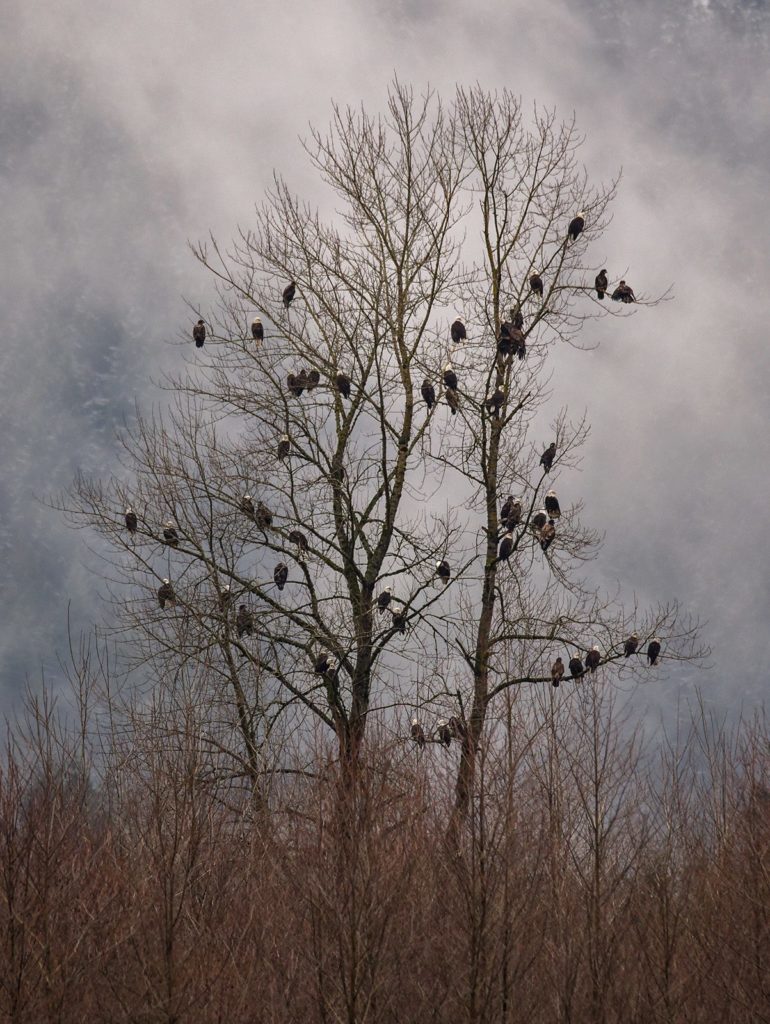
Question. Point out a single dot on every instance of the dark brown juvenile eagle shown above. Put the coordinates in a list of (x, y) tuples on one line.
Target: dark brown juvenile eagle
[(263, 517), (244, 621), (623, 293), (496, 401), (281, 575), (444, 733), (546, 459), (298, 537), (557, 672), (547, 535)]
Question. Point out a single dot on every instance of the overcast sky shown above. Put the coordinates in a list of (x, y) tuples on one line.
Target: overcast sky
[(127, 129)]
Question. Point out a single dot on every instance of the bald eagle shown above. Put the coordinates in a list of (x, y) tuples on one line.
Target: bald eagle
[(288, 294), (170, 535), (517, 318), (653, 651), (225, 598), (513, 514), (284, 447), (399, 620), (443, 571), (417, 733), (428, 393), (311, 379), (296, 385), (281, 575), (496, 401), (538, 521), (257, 330), (263, 517), (298, 537), (600, 283), (512, 341), (450, 378), (623, 293), (244, 621), (166, 595), (321, 664), (444, 733), (536, 284), (507, 508), (576, 225), (547, 535), (383, 599), (452, 400), (557, 672), (546, 459), (199, 334), (247, 506), (593, 657), (131, 520), (552, 505), (576, 669), (342, 382), (505, 344), (506, 547), (457, 331), (631, 645)]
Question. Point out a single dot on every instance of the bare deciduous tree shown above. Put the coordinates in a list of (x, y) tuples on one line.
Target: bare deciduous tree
[(340, 453)]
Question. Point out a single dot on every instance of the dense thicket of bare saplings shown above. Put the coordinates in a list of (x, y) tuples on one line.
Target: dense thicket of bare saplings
[(596, 881)]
